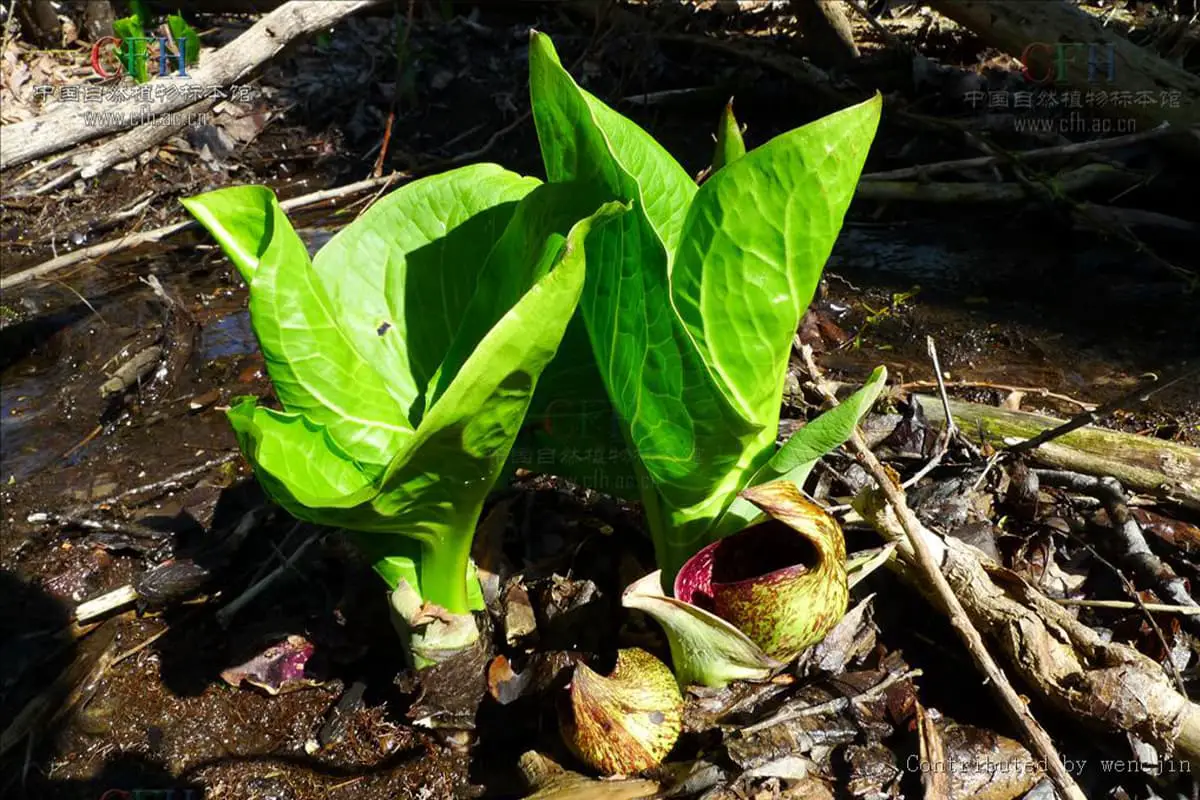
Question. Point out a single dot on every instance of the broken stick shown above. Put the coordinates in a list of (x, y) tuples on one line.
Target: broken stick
[(64, 128)]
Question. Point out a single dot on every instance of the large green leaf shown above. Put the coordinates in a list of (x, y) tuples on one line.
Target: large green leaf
[(690, 322), (403, 275), (340, 343), (575, 430), (186, 39), (436, 478), (680, 427), (753, 246), (314, 362), (572, 429), (133, 50), (520, 257)]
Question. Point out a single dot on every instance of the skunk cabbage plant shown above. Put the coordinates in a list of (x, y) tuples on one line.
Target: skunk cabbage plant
[(690, 308), (404, 356)]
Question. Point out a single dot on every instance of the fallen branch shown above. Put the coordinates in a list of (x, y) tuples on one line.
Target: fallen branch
[(226, 614), (1073, 149), (1129, 605), (1166, 470), (834, 706), (1089, 176), (949, 432), (223, 545), (133, 240), (131, 372), (109, 601), (66, 127), (1091, 416), (158, 234), (167, 483), (130, 145), (914, 542), (1151, 569), (1039, 391), (1064, 661), (1119, 217), (91, 524), (826, 35)]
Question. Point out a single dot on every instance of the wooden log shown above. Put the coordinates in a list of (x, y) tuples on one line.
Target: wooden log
[(1157, 467), (67, 127), (1051, 35), (827, 34)]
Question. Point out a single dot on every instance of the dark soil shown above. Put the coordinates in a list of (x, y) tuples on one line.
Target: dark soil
[(1009, 299)]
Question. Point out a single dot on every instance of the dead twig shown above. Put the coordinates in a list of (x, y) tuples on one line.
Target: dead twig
[(1129, 605), (1073, 149), (226, 614), (1039, 391), (64, 128), (91, 524), (1132, 591), (129, 145), (1138, 396), (834, 706), (131, 372), (401, 59), (949, 432), (1101, 682), (109, 601), (165, 484), (133, 240), (1089, 176), (892, 40), (932, 576)]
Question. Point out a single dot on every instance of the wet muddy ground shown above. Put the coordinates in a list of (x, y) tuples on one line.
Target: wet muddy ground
[(1010, 297)]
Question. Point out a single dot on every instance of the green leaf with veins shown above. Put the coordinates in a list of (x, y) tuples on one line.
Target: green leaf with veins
[(693, 298), (685, 435), (398, 411)]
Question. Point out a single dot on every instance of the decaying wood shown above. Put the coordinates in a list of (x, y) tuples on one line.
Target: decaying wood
[(1031, 32), (66, 127), (1109, 684), (131, 372), (981, 162), (1135, 553), (921, 549), (826, 30), (1157, 467), (1089, 176), (93, 161)]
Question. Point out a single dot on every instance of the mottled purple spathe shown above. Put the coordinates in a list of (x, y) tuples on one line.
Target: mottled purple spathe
[(781, 582), (693, 584)]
